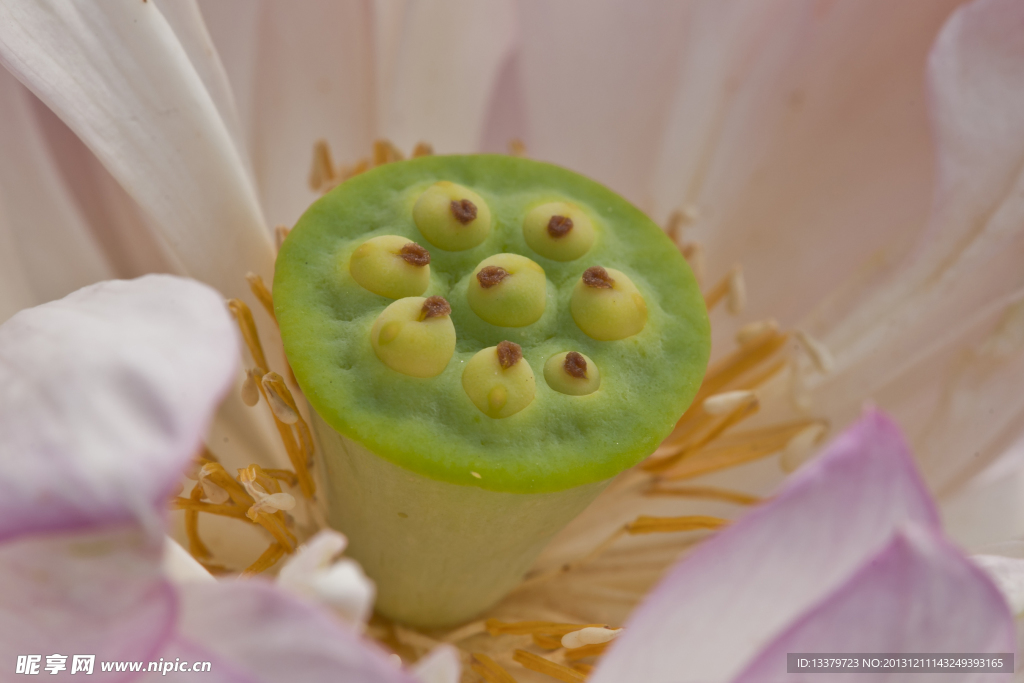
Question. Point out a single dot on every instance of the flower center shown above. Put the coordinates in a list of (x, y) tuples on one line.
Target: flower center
[(706, 440)]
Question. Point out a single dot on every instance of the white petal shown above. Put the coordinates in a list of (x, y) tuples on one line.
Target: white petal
[(315, 573), (964, 277), (181, 567), (346, 589), (1008, 573), (918, 595), (733, 594), (302, 71), (315, 554), (118, 76), (437, 65), (803, 150), (267, 636), (49, 239), (440, 665), (594, 80), (104, 397), (186, 21), (990, 508)]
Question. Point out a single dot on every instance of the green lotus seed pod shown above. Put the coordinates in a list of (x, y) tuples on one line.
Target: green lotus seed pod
[(572, 373), (498, 381), (417, 474), (508, 290), (415, 336), (607, 306), (391, 266), (558, 231), (452, 217)]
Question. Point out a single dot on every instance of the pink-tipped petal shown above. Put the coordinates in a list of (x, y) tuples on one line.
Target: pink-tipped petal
[(104, 397), (920, 594), (267, 636), (77, 593), (725, 601)]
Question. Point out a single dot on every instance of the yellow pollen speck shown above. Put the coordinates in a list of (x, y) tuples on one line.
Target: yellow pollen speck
[(497, 398), (389, 331), (476, 474), (641, 305), (250, 390)]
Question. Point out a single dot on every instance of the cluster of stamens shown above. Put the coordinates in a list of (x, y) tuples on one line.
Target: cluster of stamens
[(254, 494)]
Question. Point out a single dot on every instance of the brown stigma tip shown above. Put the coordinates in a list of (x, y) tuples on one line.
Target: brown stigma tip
[(415, 255), (435, 307), (491, 275), (559, 226), (509, 353), (575, 364), (464, 211), (597, 277)]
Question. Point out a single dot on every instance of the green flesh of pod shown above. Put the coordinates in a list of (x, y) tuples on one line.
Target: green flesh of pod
[(428, 426)]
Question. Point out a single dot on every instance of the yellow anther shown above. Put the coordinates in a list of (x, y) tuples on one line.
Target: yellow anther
[(217, 475), (732, 288), (280, 235), (297, 439), (360, 166), (526, 628), (708, 492), (736, 449), (211, 491), (384, 152), (489, 670), (591, 635), (422, 149), (728, 401), (657, 525), (546, 641), (287, 476), (755, 330), (265, 491), (265, 561), (283, 409), (322, 173), (195, 544), (799, 449), (262, 294), (190, 505), (585, 651), (251, 388), (546, 666), (247, 326), (674, 226), (516, 147), (693, 252)]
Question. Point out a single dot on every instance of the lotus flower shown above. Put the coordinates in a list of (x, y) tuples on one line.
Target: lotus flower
[(790, 139), (108, 392)]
